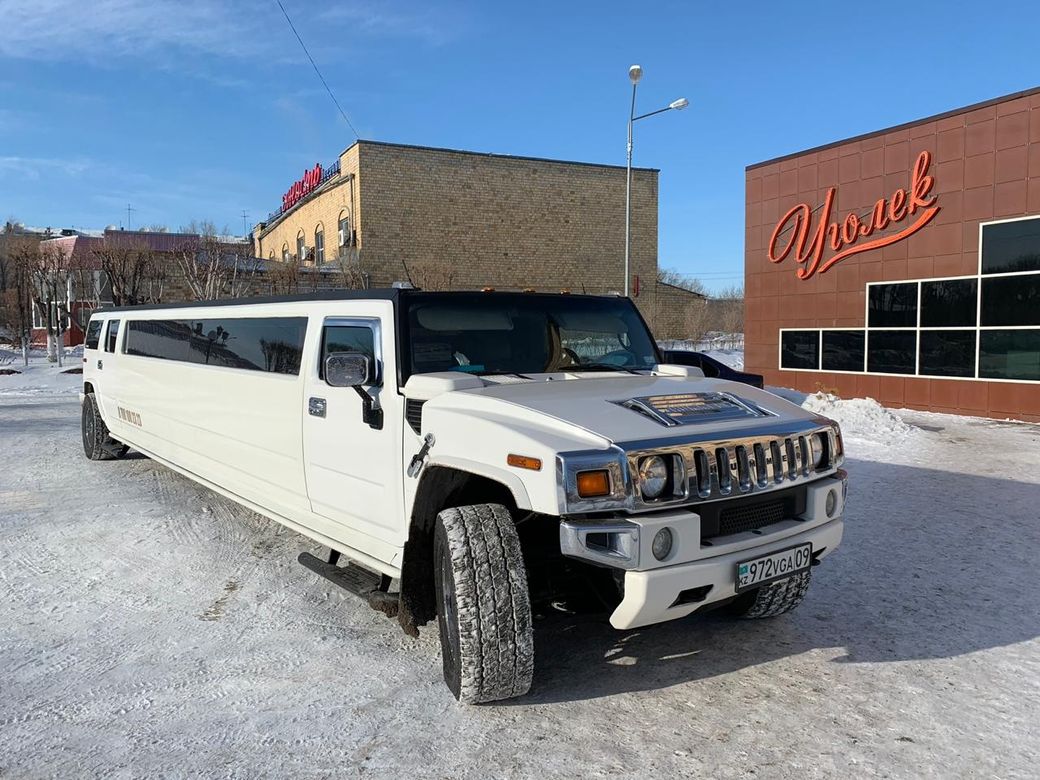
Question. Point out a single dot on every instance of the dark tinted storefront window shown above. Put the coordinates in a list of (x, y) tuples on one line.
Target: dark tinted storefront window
[(893, 305), (1011, 300), (949, 303), (273, 344), (1010, 354), (892, 352), (1011, 246), (948, 352), (800, 349), (843, 350)]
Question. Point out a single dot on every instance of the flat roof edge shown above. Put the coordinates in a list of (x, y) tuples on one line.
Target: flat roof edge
[(494, 155), (903, 126)]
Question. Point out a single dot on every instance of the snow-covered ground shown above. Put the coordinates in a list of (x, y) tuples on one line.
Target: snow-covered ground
[(149, 627)]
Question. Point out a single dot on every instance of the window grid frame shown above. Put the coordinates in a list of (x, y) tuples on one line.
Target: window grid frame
[(978, 326)]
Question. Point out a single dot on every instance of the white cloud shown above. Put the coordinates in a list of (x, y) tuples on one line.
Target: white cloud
[(34, 168), (102, 30)]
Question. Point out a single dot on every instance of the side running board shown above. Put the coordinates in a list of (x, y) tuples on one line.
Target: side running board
[(369, 585)]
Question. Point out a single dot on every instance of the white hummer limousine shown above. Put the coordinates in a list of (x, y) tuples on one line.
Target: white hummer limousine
[(490, 452)]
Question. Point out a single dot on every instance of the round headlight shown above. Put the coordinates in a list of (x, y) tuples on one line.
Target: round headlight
[(653, 476), (662, 543), (819, 449)]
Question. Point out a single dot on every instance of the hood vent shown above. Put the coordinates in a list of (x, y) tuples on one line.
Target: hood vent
[(692, 408)]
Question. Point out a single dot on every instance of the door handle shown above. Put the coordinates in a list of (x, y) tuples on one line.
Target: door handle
[(316, 407), (100, 365)]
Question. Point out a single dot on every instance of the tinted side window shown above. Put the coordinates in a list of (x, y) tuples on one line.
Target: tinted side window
[(949, 303), (165, 339), (110, 335), (800, 349), (93, 337), (1011, 300), (273, 344), (1011, 246), (347, 338), (893, 305)]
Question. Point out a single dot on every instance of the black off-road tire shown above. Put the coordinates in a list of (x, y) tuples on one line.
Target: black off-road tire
[(773, 599), (98, 444), (483, 604)]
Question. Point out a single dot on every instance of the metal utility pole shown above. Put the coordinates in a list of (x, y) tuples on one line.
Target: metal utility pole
[(634, 74)]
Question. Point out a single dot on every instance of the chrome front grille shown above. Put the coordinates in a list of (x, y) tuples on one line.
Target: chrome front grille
[(722, 469)]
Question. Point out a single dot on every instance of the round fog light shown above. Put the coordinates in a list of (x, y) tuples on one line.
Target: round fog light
[(662, 543), (832, 502)]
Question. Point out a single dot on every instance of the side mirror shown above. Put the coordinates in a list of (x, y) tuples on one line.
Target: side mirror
[(347, 369)]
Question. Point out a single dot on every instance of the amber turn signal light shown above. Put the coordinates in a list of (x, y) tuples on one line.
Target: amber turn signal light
[(524, 462), (593, 484)]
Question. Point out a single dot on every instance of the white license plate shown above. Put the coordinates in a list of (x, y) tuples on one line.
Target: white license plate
[(772, 567)]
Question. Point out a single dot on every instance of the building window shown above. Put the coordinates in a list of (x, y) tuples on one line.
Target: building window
[(344, 230), (800, 349), (947, 353), (301, 247), (843, 350), (950, 303), (982, 327), (1011, 247), (892, 306), (319, 245), (892, 352), (285, 253), (1010, 354)]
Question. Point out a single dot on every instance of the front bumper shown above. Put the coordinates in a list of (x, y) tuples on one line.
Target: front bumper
[(696, 573), (652, 596)]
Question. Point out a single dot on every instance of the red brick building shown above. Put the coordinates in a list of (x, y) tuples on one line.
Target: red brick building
[(904, 264)]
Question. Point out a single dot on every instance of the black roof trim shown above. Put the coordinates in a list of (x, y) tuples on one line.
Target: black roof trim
[(376, 294), (493, 155), (904, 126)]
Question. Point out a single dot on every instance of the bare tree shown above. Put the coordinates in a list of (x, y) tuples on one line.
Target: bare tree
[(49, 277), (347, 273), (17, 255), (432, 275), (676, 279), (129, 267), (214, 267), (730, 306)]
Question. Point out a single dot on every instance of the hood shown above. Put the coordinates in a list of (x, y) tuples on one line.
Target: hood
[(629, 408)]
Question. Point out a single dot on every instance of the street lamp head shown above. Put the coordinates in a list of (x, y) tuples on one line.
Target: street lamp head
[(635, 73), (679, 104)]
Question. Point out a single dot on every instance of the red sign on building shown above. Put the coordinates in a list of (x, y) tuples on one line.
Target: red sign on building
[(844, 237), (302, 188)]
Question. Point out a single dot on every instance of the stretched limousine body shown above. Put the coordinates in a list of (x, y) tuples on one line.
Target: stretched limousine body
[(487, 451)]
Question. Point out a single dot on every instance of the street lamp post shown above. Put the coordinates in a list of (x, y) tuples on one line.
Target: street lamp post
[(634, 74)]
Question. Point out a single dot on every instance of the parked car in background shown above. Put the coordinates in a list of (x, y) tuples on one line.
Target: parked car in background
[(711, 367)]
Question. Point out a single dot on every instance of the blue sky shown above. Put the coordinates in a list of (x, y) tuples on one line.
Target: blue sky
[(198, 109)]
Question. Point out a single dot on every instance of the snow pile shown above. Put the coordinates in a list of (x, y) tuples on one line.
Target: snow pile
[(861, 418)]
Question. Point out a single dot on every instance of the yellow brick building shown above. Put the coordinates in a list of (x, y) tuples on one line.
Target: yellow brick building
[(453, 219)]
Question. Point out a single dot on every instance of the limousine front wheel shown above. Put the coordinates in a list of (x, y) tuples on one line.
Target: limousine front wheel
[(98, 444), (483, 604)]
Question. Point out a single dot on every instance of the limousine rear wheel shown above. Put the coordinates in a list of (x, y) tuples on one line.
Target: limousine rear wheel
[(483, 604), (98, 444)]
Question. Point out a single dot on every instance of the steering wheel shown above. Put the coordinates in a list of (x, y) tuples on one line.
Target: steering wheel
[(571, 356)]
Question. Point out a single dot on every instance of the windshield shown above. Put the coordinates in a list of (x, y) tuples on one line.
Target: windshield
[(523, 333)]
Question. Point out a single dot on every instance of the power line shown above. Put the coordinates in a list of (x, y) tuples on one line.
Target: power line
[(315, 66)]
